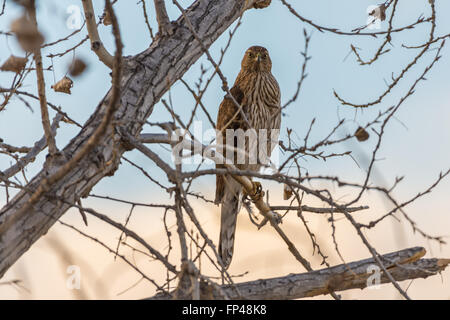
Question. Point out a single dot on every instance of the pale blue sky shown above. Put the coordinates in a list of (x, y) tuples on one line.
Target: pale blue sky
[(419, 151)]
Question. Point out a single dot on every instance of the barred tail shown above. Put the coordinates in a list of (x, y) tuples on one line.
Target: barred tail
[(231, 204)]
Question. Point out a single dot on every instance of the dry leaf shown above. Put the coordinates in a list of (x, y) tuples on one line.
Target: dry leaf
[(14, 64), (63, 85), (77, 67), (361, 134), (27, 34), (287, 192)]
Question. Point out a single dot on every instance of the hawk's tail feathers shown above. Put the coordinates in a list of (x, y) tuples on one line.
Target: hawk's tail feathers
[(231, 204)]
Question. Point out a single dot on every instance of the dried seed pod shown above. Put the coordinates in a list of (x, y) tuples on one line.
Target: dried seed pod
[(63, 85), (77, 67), (361, 134), (27, 34), (14, 64), (287, 192), (261, 4), (379, 12)]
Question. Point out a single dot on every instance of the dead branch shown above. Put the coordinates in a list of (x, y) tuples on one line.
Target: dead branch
[(403, 265)]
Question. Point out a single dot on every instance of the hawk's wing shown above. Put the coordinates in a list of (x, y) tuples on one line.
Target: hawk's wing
[(227, 118)]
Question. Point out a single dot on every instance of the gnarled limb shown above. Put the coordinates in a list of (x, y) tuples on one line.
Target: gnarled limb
[(403, 265)]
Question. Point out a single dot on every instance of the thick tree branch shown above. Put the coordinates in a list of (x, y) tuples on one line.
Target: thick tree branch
[(403, 265)]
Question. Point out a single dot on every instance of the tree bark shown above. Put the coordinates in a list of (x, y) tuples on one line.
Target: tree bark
[(146, 77), (403, 265)]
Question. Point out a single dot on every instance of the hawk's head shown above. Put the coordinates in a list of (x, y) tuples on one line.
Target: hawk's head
[(257, 59)]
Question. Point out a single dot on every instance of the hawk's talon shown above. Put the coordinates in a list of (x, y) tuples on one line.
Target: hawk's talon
[(257, 192)]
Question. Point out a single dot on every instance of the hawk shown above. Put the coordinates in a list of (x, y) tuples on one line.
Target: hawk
[(257, 93)]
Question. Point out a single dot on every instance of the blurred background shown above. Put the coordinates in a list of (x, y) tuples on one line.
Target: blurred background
[(416, 145)]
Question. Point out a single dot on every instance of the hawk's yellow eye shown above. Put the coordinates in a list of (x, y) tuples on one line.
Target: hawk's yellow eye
[(250, 55)]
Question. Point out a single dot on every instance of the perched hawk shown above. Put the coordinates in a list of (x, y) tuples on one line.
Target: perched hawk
[(258, 94)]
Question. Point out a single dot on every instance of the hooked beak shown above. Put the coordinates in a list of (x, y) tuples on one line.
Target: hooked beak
[(258, 57)]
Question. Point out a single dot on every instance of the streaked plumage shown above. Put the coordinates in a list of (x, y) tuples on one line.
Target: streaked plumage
[(257, 91)]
